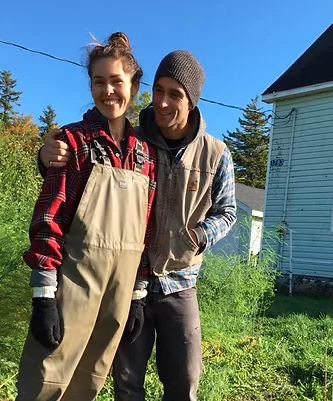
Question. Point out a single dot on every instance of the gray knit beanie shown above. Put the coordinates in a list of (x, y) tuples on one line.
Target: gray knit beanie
[(182, 66)]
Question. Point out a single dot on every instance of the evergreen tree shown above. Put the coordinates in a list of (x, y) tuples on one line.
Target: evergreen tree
[(8, 96), (249, 146), (47, 120), (139, 103)]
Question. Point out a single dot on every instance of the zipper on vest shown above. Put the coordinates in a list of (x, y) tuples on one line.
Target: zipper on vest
[(172, 166)]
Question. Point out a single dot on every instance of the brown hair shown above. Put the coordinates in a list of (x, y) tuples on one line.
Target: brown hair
[(117, 47)]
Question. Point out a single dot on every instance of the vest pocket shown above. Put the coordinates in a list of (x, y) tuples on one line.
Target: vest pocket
[(182, 248)]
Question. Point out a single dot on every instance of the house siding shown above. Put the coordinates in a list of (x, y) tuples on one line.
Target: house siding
[(310, 189), (243, 239)]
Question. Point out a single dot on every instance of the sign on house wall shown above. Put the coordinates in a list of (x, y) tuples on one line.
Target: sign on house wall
[(277, 162)]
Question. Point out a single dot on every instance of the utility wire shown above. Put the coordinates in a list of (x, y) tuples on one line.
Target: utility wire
[(143, 83), (42, 53), (51, 56)]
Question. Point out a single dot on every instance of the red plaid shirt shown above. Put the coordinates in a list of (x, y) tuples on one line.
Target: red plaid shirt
[(63, 187)]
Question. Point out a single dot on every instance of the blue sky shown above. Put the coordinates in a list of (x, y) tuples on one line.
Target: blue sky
[(244, 46)]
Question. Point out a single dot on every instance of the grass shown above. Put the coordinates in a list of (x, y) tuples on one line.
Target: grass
[(287, 355), (283, 353), (250, 352)]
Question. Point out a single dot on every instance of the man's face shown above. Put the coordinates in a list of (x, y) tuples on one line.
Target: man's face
[(171, 104)]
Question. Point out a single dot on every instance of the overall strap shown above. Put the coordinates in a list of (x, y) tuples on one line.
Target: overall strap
[(98, 154), (139, 156)]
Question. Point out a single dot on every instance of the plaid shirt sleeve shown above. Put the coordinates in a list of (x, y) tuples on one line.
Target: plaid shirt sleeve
[(46, 230), (50, 217), (222, 215)]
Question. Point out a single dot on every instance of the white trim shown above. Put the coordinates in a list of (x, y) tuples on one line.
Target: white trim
[(248, 210), (257, 213), (268, 169), (305, 90), (255, 237)]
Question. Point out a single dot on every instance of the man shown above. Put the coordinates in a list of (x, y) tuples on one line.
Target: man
[(195, 207)]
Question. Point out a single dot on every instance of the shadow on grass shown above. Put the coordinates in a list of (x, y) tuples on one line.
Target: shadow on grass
[(312, 306), (308, 378), (305, 374)]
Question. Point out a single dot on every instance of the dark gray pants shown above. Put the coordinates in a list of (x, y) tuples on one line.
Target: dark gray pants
[(175, 318)]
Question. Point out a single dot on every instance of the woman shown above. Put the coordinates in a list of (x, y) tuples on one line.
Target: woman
[(87, 236)]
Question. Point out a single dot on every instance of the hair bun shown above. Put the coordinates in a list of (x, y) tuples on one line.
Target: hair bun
[(119, 39)]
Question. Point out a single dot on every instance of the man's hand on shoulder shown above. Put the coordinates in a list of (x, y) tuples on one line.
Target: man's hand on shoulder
[(55, 153)]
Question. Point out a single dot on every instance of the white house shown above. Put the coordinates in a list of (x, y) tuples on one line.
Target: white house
[(299, 186), (245, 236)]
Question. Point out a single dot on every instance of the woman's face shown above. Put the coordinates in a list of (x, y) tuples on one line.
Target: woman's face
[(111, 87)]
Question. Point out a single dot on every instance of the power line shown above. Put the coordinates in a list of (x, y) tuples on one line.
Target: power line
[(51, 56), (143, 83), (222, 104), (42, 53)]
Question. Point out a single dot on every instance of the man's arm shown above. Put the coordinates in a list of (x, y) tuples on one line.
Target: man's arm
[(54, 153), (222, 214)]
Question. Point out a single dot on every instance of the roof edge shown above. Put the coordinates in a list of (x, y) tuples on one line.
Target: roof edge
[(248, 210), (257, 213), (297, 92)]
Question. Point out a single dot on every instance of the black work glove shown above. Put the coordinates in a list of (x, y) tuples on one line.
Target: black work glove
[(45, 322), (135, 320)]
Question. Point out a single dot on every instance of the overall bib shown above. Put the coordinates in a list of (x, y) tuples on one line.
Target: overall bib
[(101, 256)]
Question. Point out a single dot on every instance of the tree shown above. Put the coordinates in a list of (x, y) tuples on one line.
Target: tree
[(249, 146), (8, 96), (47, 120), (21, 125), (139, 103)]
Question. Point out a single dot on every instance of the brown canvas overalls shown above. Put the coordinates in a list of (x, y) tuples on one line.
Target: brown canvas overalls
[(101, 256)]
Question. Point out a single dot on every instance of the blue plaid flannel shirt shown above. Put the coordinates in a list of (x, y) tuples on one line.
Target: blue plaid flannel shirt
[(217, 225)]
